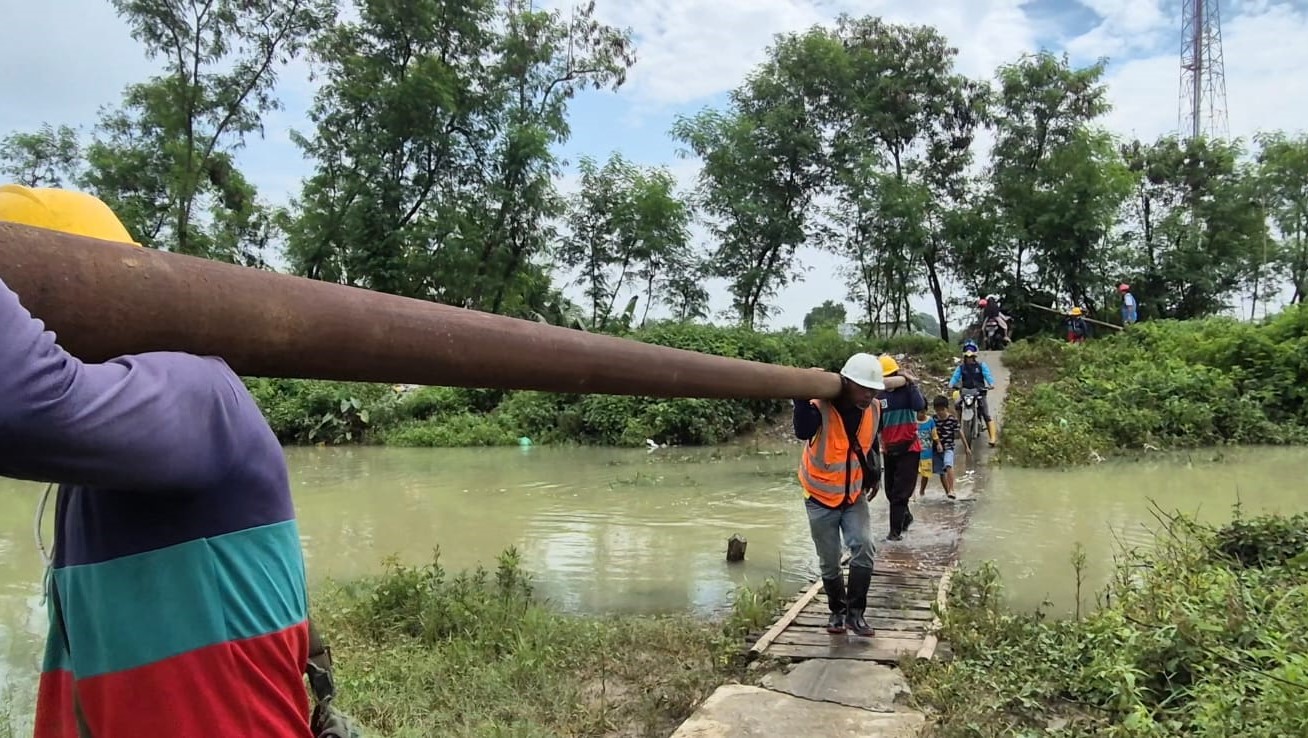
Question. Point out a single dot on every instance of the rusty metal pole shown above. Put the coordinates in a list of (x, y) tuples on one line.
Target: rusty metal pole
[(105, 299)]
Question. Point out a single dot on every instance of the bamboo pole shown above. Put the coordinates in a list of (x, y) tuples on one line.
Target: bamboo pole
[(104, 300), (1088, 320)]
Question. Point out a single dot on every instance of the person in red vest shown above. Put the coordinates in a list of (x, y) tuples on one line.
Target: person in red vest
[(839, 471)]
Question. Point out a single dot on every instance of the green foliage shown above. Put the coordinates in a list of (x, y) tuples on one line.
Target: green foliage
[(420, 651), (1188, 642), (311, 411), (336, 412), (1039, 352), (447, 194), (827, 315), (1161, 384), (628, 229)]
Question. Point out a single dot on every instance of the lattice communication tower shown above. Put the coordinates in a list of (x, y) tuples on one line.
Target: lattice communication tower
[(1203, 74)]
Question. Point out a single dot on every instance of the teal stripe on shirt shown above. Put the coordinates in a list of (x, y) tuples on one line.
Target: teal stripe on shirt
[(899, 417), (140, 609)]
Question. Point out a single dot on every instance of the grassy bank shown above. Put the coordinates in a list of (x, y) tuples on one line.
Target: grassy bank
[(421, 652), (1206, 635), (303, 412), (1159, 385)]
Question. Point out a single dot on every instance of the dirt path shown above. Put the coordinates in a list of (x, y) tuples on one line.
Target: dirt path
[(933, 541)]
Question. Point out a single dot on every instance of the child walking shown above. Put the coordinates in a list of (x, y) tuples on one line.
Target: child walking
[(926, 433), (945, 430)]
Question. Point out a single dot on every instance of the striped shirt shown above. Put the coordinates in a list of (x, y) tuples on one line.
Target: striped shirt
[(177, 604)]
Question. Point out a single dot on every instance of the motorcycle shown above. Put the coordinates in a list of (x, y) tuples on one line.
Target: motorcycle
[(971, 402), (994, 335)]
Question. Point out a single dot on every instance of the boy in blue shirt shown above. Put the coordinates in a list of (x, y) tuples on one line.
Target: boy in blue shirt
[(926, 433)]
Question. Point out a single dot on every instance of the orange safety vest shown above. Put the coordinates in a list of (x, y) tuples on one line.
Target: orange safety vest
[(829, 468)]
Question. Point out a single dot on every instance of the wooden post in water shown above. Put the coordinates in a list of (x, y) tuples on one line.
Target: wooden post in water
[(105, 299), (736, 548)]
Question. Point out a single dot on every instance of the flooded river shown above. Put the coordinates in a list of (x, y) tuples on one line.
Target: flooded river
[(608, 530)]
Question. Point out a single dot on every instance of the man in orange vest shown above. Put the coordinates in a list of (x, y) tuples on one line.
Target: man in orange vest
[(839, 472)]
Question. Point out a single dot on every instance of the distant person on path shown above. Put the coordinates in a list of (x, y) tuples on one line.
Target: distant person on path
[(975, 374), (946, 432), (926, 435), (176, 601), (990, 308), (900, 445), (839, 471), (1130, 310), (1077, 327)]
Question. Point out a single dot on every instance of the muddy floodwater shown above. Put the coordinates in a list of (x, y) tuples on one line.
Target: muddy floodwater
[(607, 530)]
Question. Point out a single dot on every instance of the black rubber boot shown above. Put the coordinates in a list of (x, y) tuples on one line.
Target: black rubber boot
[(860, 579), (835, 589)]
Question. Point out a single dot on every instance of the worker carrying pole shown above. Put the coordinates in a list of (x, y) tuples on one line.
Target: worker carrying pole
[(177, 597)]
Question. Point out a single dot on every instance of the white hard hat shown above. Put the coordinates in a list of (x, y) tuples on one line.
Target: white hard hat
[(865, 371)]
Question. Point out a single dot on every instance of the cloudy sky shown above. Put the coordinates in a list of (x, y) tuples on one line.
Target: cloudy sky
[(61, 60)]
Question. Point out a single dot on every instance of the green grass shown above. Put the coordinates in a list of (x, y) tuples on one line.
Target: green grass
[(423, 653), (1204, 635)]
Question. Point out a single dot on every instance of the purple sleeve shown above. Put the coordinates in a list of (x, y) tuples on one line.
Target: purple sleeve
[(151, 422)]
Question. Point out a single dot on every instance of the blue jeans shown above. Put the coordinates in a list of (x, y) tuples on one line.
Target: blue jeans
[(827, 525)]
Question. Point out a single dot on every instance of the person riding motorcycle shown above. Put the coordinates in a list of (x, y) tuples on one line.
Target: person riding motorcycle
[(991, 310), (975, 374)]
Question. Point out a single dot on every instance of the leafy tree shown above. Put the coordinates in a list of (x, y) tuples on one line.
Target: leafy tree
[(1199, 227), (432, 146), (164, 160), (1057, 181), (627, 227), (902, 122), (827, 315), (47, 157), (763, 166), (1283, 174)]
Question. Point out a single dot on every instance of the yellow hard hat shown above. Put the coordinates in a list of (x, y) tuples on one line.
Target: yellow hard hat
[(1076, 311), (888, 364), (62, 210)]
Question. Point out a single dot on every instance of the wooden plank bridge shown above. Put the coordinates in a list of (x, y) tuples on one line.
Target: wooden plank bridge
[(903, 609)]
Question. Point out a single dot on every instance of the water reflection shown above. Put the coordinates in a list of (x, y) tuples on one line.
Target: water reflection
[(608, 530), (1030, 521)]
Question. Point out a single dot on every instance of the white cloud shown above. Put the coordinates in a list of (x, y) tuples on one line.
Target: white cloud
[(689, 50), (1125, 26)]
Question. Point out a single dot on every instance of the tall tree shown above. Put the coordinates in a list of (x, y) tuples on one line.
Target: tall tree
[(1058, 182), (46, 157), (763, 167), (164, 160), (628, 228), (902, 121), (434, 169), (1283, 173), (1198, 225)]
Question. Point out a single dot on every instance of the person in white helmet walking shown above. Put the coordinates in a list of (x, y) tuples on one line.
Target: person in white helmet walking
[(839, 471)]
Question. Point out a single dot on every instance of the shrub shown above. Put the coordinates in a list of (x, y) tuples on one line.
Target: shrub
[(421, 651), (338, 412), (1162, 384), (1189, 642)]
